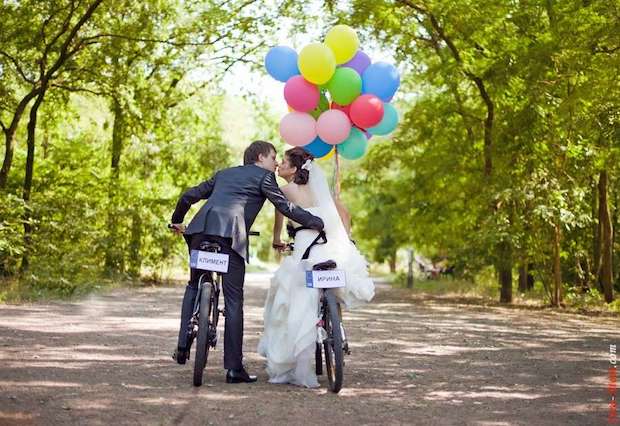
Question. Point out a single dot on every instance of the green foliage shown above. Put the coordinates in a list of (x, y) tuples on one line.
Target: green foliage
[(130, 119), (509, 114), (461, 180)]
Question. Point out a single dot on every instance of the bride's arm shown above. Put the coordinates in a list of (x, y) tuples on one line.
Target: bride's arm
[(279, 220), (277, 230), (345, 217)]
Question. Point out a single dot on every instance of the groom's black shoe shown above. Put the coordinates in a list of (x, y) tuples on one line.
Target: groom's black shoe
[(239, 376), (180, 355)]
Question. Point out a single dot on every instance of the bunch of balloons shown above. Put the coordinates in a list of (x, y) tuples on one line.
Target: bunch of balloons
[(335, 95)]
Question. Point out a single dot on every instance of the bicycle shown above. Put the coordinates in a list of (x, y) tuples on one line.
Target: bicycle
[(333, 338), (205, 315)]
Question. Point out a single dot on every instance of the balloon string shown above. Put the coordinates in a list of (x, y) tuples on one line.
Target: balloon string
[(337, 175)]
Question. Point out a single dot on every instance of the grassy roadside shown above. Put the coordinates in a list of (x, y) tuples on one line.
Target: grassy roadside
[(484, 291), (29, 290), (32, 288)]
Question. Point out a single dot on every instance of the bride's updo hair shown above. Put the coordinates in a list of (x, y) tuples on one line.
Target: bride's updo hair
[(297, 157)]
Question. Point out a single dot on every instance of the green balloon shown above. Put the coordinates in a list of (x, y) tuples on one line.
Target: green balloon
[(321, 107), (353, 147), (345, 86)]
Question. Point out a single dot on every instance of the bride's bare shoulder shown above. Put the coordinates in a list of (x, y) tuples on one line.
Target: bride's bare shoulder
[(289, 188), (291, 191), (298, 194)]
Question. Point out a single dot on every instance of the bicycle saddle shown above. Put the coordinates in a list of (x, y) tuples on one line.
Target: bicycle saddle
[(325, 266), (209, 246)]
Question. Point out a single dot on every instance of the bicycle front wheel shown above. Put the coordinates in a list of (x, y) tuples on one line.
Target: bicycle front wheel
[(202, 339), (333, 344)]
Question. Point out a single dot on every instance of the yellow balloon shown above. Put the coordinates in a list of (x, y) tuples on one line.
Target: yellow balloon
[(343, 41), (317, 63), (289, 108), (329, 155)]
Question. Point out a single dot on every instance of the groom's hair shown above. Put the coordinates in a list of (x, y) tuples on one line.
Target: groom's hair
[(250, 156)]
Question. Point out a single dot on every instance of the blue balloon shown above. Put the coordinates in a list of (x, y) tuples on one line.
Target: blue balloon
[(281, 63), (381, 79), (388, 123), (318, 148)]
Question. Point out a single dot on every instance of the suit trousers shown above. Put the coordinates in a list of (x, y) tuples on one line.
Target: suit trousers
[(233, 300)]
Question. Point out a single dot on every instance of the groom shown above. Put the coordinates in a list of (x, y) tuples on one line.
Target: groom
[(235, 196)]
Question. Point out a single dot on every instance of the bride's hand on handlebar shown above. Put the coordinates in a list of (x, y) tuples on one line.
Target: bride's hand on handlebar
[(279, 246), (177, 228)]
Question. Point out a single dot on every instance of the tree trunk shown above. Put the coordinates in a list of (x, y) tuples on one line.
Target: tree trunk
[(410, 268), (9, 136), (64, 55), (614, 226), (596, 235), (45, 143), (588, 273), (114, 253), (556, 296), (504, 271), (392, 262), (581, 275), (606, 273), (523, 277), (530, 276), (135, 259), (27, 189)]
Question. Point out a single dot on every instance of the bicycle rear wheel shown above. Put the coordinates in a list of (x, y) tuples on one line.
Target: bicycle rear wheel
[(333, 344), (202, 340)]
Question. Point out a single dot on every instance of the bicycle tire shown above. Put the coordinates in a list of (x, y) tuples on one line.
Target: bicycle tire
[(334, 355), (202, 339)]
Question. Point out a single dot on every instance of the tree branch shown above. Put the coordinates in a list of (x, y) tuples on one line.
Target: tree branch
[(64, 54), (149, 40), (77, 89), (63, 30), (17, 66), (484, 94), (605, 49)]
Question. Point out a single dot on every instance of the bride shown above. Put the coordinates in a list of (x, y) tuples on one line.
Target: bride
[(291, 309)]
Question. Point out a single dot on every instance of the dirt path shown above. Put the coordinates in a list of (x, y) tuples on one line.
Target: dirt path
[(105, 361)]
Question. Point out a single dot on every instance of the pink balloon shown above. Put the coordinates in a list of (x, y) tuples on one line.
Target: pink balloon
[(333, 126), (366, 111), (346, 108), (300, 94), (298, 128)]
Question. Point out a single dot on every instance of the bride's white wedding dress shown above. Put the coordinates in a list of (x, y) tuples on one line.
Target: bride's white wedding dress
[(291, 309)]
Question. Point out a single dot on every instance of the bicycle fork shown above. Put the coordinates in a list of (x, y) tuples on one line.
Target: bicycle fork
[(192, 326), (345, 342)]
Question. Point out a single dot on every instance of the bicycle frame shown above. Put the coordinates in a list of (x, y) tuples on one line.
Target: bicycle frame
[(204, 328), (216, 284), (322, 310)]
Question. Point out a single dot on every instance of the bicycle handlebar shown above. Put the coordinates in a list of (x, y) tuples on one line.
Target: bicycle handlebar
[(251, 233)]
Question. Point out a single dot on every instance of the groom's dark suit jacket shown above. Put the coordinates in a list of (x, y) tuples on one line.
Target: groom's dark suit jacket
[(235, 196)]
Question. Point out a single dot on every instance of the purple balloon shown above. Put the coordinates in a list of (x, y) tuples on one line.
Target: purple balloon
[(359, 63), (368, 135)]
